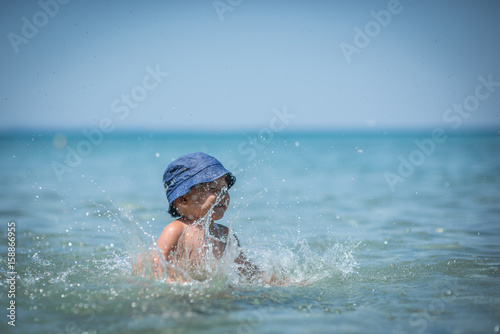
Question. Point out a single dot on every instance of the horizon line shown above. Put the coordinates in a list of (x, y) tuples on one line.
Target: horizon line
[(486, 129)]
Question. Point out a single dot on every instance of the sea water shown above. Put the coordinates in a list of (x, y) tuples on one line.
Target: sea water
[(379, 232)]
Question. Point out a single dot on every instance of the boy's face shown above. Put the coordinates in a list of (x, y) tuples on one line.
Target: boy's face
[(202, 197)]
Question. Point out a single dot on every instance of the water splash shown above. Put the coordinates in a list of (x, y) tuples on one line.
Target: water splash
[(302, 262)]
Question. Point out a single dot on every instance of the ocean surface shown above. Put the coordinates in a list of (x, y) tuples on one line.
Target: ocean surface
[(383, 232)]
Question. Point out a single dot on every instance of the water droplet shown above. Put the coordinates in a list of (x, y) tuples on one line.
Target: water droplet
[(297, 143), (157, 154), (70, 244), (59, 141)]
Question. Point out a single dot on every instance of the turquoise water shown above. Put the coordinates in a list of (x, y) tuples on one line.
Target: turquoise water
[(376, 233)]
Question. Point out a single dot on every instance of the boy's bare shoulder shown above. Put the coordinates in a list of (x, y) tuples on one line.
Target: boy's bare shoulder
[(175, 227), (172, 231), (168, 239)]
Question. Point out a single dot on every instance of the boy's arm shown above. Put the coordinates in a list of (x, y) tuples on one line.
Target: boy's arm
[(251, 271), (167, 241), (245, 267)]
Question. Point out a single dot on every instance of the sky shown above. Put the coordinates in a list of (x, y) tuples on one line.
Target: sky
[(239, 64)]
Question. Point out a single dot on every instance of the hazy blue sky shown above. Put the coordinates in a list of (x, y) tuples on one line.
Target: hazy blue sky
[(229, 67)]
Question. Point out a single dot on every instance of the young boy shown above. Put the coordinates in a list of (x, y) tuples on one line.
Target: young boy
[(196, 186)]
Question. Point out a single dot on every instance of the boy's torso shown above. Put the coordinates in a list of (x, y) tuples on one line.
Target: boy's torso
[(199, 250)]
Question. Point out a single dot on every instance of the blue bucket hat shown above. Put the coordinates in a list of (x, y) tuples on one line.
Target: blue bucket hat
[(189, 170)]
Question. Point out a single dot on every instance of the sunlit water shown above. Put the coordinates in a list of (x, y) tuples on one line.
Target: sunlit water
[(314, 210)]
